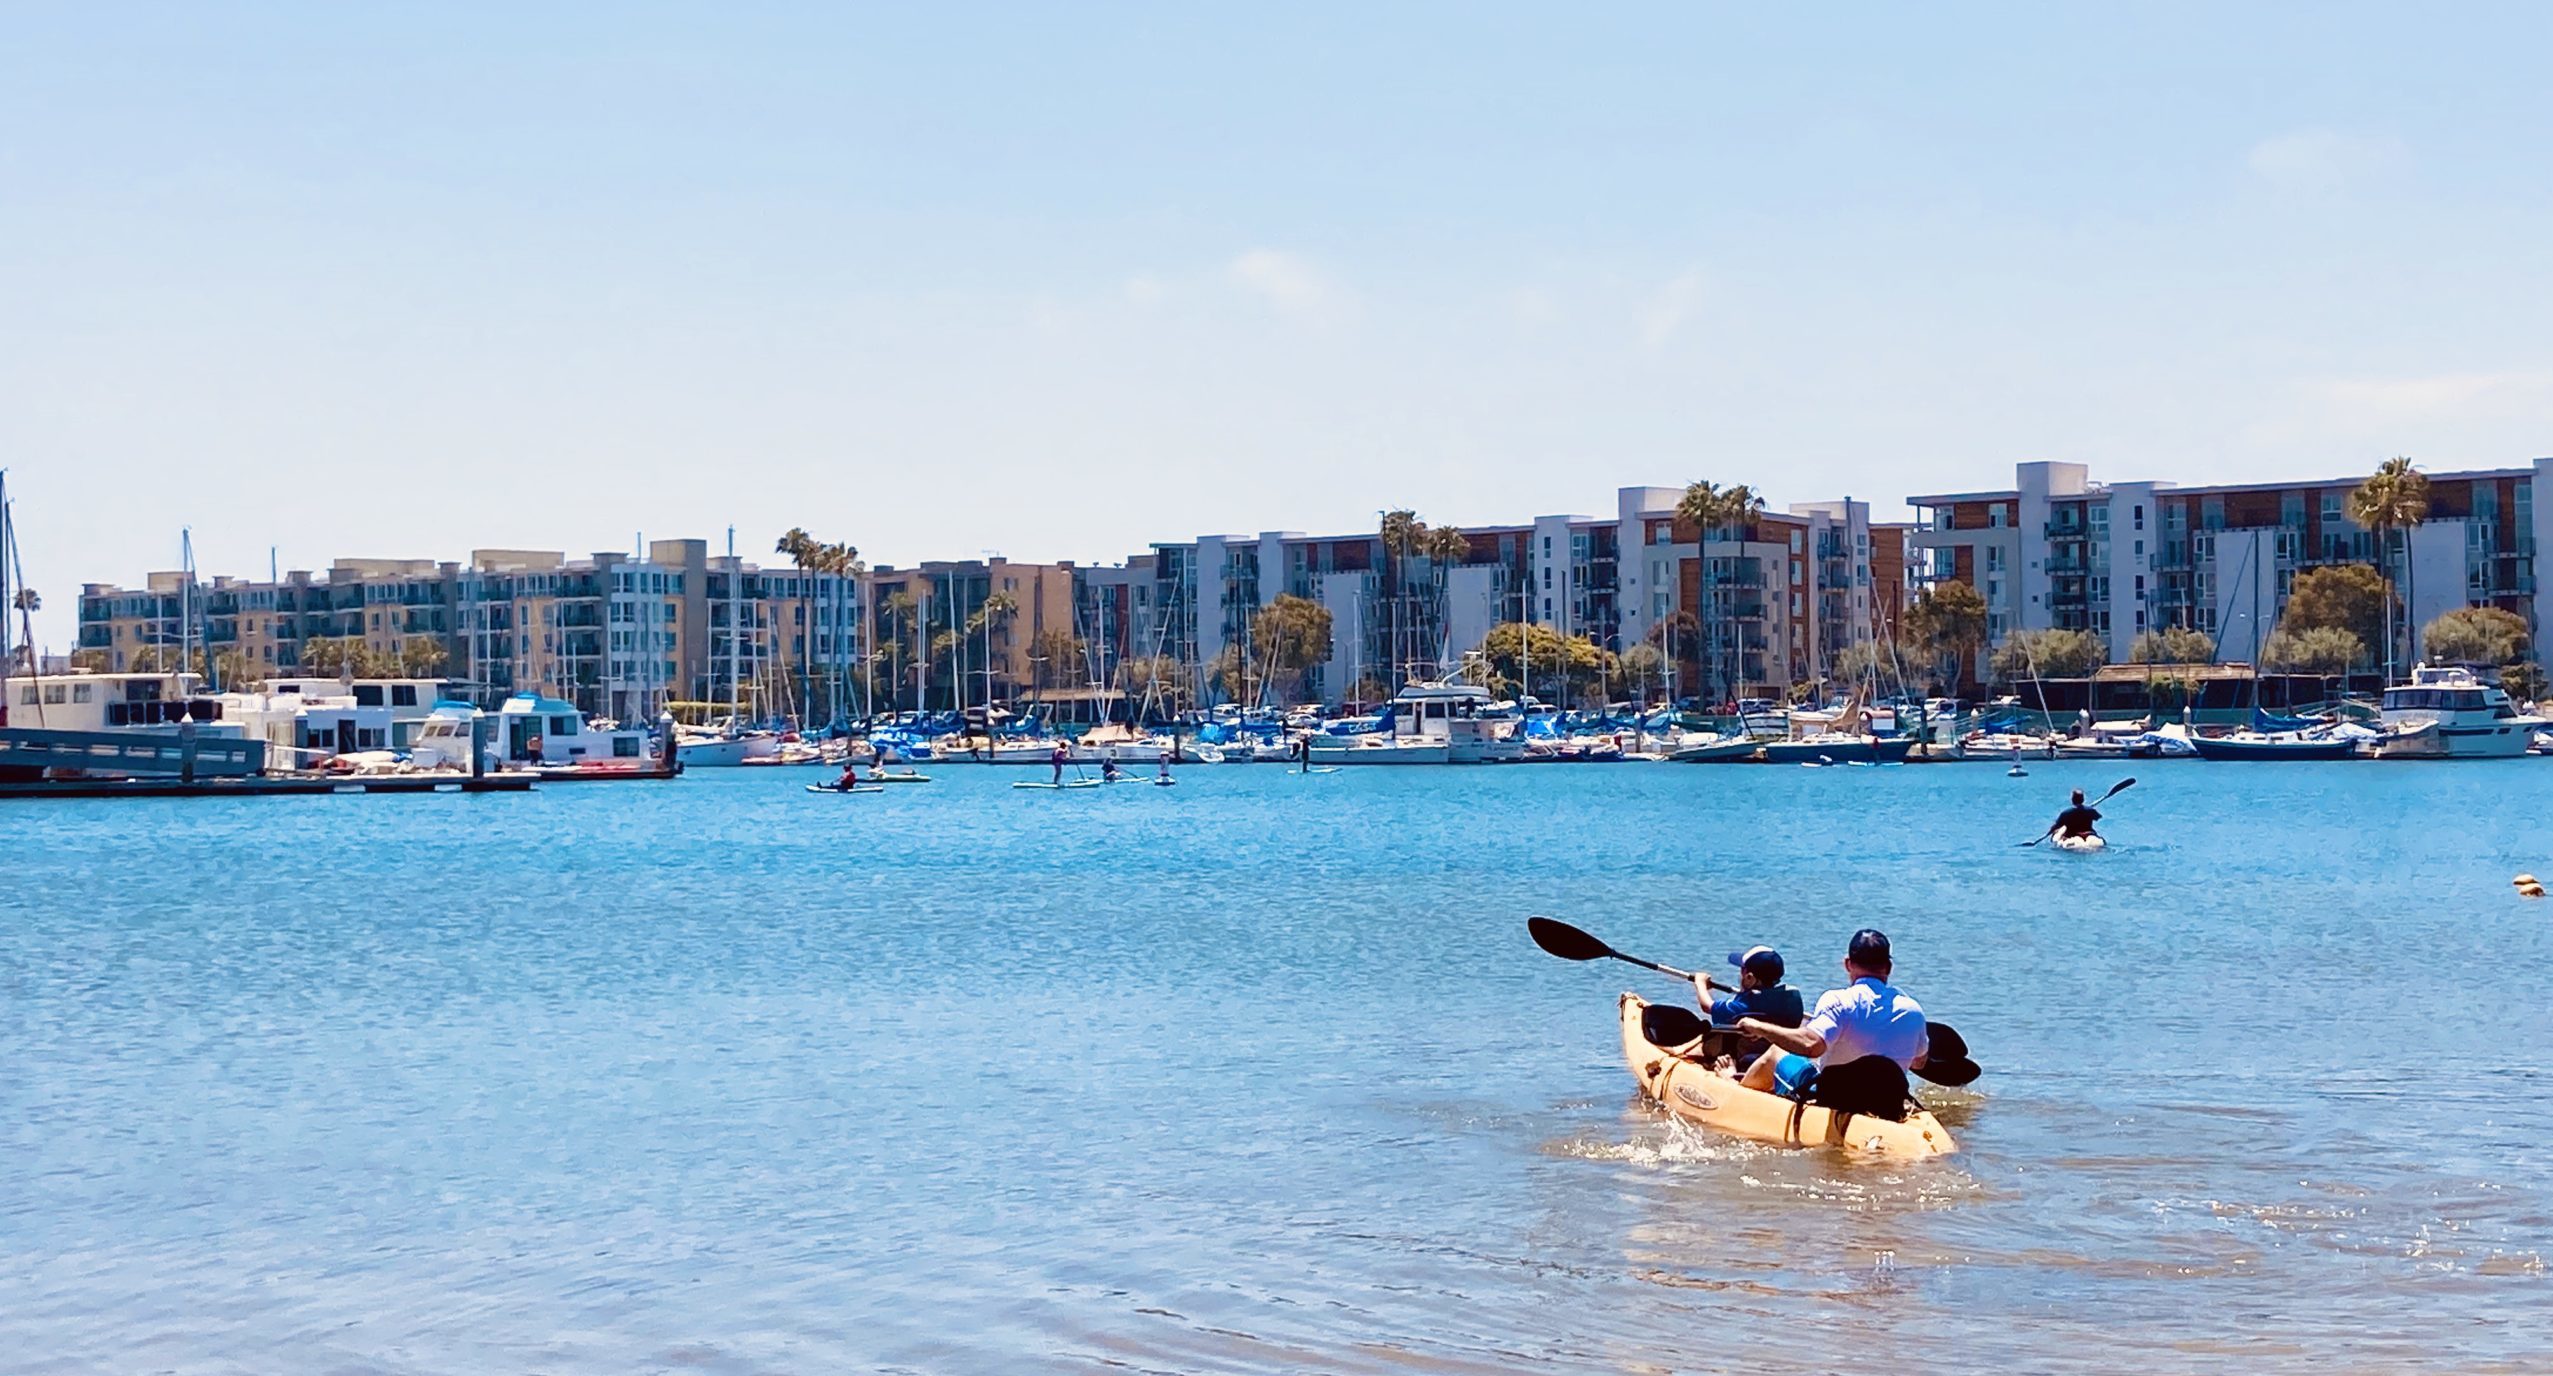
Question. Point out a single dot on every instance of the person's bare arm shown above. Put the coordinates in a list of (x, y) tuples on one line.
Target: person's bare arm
[(1799, 1041)]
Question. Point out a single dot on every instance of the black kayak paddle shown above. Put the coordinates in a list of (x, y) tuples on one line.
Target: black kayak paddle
[(2116, 789), (1569, 943)]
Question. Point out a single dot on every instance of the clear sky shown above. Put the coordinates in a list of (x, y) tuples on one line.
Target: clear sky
[(1060, 280)]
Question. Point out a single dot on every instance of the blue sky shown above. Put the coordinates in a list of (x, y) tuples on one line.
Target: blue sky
[(1062, 280)]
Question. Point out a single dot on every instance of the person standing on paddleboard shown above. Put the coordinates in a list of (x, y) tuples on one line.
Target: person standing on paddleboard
[(1760, 994), (2076, 820), (1057, 757)]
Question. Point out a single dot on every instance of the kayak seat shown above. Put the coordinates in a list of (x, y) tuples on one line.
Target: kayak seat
[(1874, 1086)]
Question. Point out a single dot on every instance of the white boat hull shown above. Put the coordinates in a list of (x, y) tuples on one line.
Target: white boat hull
[(711, 754)]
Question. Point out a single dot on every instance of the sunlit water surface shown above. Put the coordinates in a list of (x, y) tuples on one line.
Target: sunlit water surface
[(1260, 1074)]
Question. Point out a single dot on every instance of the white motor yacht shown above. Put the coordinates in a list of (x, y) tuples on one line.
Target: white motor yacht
[(2445, 713), (1431, 723)]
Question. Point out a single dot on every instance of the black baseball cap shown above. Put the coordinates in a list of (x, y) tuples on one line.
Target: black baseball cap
[(1870, 947), (1763, 960)]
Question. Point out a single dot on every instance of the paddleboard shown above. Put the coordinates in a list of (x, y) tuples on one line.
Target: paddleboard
[(829, 788), (1318, 769), (897, 779), (1069, 783), (1163, 783)]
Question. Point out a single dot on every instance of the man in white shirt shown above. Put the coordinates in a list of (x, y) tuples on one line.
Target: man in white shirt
[(1867, 1018)]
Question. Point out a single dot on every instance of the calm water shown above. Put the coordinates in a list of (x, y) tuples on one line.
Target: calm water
[(1260, 1074)]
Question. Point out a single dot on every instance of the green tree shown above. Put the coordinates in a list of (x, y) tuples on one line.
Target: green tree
[(1367, 691), (2046, 654), (2326, 652), (2393, 500), (1531, 657), (1158, 681), (92, 660), (1289, 636), (236, 672), (2476, 635), (1642, 665), (2344, 597), (2173, 645), (1949, 623), (2523, 679), (1717, 512), (422, 657)]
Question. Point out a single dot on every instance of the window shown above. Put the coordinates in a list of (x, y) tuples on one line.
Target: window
[(368, 695), (80, 692), (2140, 549), (1994, 558), (1994, 516), (1795, 542), (2140, 585), (2140, 515), (403, 695)]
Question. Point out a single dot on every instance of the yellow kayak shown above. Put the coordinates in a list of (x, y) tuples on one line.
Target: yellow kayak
[(1696, 1093)]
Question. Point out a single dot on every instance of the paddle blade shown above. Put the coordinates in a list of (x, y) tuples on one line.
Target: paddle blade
[(1667, 1025), (1945, 1040), (1946, 1062), (1565, 941)]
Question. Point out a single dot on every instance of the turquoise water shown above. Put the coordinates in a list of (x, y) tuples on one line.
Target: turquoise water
[(1260, 1074)]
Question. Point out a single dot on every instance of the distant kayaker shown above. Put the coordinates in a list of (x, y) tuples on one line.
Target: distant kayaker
[(2076, 820), (1760, 994), (1857, 1045)]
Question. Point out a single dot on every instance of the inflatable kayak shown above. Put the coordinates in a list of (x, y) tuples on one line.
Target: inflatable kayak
[(2083, 845), (1697, 1094), (836, 788)]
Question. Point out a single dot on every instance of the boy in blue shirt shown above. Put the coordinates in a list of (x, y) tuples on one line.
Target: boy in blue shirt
[(1760, 994)]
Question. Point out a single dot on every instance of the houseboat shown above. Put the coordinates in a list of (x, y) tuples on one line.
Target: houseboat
[(530, 732)]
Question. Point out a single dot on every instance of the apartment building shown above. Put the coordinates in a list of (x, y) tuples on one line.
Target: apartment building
[(2058, 550), (947, 642), (1771, 603)]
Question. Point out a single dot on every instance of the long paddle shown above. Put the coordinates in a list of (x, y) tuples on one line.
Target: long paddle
[(1946, 1063), (1569, 943), (2115, 790)]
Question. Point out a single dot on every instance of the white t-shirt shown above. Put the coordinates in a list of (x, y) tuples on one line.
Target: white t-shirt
[(1868, 1018)]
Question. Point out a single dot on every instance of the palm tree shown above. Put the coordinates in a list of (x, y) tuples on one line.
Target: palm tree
[(1443, 547), (1401, 533), (842, 562), (1711, 508), (804, 551), (2393, 499)]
